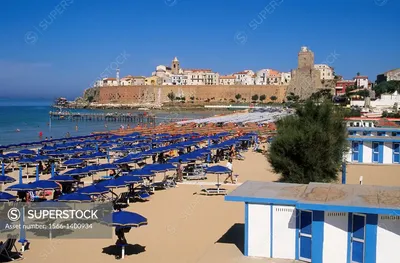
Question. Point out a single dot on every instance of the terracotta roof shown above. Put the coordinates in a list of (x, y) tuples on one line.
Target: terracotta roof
[(273, 72), (138, 77), (240, 73), (110, 79), (361, 77), (386, 123), (227, 77)]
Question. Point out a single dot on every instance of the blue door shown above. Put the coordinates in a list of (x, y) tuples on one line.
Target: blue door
[(355, 151), (375, 152), (396, 152), (358, 238), (305, 236)]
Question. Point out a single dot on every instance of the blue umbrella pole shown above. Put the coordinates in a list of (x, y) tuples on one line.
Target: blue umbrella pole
[(37, 172), (3, 173), (20, 174), (108, 156), (22, 234), (97, 147), (52, 170)]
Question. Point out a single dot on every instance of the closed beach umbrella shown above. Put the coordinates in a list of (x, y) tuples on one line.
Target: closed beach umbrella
[(93, 190), (75, 197), (6, 197)]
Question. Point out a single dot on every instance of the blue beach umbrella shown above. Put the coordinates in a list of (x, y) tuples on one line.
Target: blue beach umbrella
[(112, 183), (44, 185), (160, 167), (6, 179), (92, 168), (63, 179), (12, 155), (126, 219), (6, 197), (142, 173), (19, 187), (75, 197), (93, 190), (218, 169), (124, 160), (130, 179), (108, 166), (40, 158), (27, 152), (72, 162), (27, 161)]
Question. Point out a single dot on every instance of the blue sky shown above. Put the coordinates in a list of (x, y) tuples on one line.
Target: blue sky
[(57, 48)]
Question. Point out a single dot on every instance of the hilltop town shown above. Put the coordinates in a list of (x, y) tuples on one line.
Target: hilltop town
[(198, 86)]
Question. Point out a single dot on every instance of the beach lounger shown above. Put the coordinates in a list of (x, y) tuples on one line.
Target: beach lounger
[(6, 250), (143, 195), (170, 181), (212, 191), (122, 201), (194, 172)]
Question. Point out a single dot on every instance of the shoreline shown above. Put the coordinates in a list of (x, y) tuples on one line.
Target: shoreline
[(163, 107)]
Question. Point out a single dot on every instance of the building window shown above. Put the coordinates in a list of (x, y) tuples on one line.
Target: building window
[(375, 152), (396, 152), (379, 133)]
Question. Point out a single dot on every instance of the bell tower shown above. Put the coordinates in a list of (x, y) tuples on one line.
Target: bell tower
[(175, 66)]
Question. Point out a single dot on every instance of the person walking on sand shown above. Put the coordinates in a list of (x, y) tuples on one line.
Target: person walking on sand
[(229, 165), (179, 171)]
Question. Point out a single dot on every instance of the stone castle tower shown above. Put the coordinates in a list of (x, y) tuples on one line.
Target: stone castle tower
[(305, 79), (175, 66), (305, 59)]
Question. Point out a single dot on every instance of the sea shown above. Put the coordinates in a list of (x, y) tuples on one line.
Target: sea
[(21, 120)]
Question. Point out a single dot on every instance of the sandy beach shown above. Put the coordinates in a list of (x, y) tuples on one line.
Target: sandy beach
[(182, 225)]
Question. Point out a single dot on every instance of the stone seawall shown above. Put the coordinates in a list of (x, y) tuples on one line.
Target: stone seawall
[(217, 93)]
